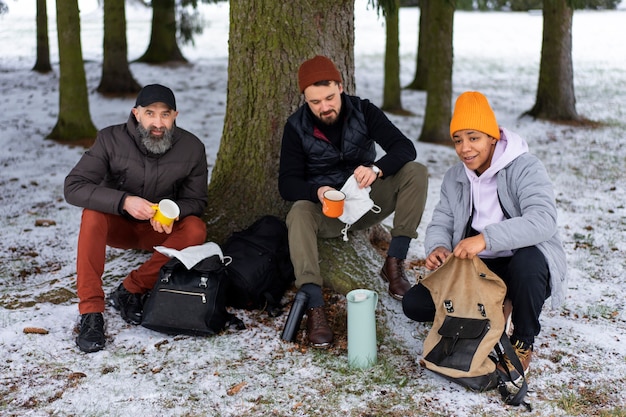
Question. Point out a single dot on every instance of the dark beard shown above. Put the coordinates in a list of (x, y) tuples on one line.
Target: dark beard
[(155, 144), (328, 122)]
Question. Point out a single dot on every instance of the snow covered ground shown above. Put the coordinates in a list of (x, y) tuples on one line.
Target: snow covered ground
[(580, 362)]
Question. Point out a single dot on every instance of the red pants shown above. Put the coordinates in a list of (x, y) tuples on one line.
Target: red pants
[(97, 230)]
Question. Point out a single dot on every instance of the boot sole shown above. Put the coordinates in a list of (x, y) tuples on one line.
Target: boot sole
[(90, 349), (320, 345), (395, 296)]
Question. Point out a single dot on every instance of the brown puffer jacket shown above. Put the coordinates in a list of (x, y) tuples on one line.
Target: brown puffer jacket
[(118, 165)]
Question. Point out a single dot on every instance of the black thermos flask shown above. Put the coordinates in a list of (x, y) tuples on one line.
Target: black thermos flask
[(292, 325)]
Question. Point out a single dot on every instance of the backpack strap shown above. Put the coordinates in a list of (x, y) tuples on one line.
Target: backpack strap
[(508, 397)]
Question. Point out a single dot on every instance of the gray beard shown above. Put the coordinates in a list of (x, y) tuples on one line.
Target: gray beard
[(155, 144)]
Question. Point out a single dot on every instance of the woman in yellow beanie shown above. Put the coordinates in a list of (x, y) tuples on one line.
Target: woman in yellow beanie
[(497, 203)]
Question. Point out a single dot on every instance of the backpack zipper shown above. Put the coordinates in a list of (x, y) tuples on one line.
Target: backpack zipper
[(186, 293)]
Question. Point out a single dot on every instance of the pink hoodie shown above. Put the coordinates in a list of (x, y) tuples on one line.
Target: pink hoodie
[(484, 194)]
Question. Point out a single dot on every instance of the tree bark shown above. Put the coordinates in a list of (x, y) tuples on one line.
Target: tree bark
[(163, 46), (267, 43), (116, 76), (74, 122), (392, 92), (439, 60), (43, 48), (265, 51), (421, 69), (555, 92)]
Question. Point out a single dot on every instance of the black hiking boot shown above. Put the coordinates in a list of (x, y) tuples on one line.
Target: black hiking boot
[(91, 334), (128, 304)]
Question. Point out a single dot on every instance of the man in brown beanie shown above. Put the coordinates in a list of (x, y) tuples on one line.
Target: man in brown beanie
[(118, 181), (327, 140)]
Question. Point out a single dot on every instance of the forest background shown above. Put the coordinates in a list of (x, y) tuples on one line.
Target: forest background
[(580, 361)]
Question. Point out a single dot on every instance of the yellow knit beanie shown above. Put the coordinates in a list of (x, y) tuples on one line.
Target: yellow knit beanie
[(472, 111)]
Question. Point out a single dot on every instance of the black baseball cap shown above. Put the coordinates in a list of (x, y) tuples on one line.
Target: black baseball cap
[(156, 93)]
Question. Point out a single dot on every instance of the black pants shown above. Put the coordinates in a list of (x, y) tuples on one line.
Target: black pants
[(527, 280)]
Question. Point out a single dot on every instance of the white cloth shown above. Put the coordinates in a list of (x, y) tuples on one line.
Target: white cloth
[(356, 204), (191, 255)]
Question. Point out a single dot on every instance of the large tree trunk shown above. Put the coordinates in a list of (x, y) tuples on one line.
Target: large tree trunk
[(265, 52), (421, 69), (74, 123), (555, 92), (116, 75), (163, 46), (392, 92), (43, 48), (439, 91)]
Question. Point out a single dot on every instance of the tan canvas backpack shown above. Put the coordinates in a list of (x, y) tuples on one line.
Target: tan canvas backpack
[(468, 325)]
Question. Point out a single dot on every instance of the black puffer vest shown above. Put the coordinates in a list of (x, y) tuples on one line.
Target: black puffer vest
[(326, 164)]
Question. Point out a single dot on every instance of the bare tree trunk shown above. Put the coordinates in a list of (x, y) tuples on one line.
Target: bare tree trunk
[(439, 91), (74, 123), (421, 67), (163, 46), (555, 93), (116, 75), (392, 92), (265, 52), (43, 48), (262, 94)]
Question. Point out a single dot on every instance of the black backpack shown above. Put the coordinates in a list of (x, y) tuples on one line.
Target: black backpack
[(189, 301), (260, 271)]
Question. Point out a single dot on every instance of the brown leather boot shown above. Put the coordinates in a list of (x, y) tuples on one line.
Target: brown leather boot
[(319, 333), (393, 273)]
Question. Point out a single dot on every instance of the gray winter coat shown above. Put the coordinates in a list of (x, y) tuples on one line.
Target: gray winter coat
[(527, 197), (118, 165)]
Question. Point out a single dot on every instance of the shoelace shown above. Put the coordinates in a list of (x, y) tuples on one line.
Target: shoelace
[(94, 323)]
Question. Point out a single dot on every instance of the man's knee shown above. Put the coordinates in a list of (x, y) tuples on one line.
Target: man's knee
[(417, 175), (302, 210), (93, 219), (529, 259), (194, 230), (415, 170)]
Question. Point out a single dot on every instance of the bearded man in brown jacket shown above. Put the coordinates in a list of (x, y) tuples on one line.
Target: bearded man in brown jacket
[(118, 182)]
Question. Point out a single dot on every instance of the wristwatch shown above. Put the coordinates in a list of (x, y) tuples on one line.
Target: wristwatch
[(376, 170)]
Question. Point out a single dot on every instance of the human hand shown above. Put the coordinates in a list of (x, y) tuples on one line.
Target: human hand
[(162, 228), (139, 208), (365, 176), (437, 257), (470, 247), (321, 191)]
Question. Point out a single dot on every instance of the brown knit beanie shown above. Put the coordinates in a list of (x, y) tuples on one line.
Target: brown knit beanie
[(318, 68), (472, 111)]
